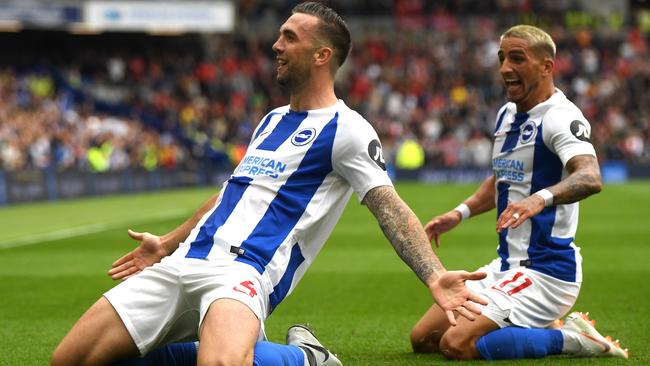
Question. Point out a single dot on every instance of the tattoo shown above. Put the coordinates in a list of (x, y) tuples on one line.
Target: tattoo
[(404, 231), (583, 180)]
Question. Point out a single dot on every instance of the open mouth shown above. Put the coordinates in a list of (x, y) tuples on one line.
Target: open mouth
[(512, 84), (281, 64)]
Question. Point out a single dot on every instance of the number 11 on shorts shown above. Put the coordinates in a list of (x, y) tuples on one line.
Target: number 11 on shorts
[(517, 283)]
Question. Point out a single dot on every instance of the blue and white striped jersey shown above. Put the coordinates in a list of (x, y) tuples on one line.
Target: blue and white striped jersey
[(530, 152), (283, 200)]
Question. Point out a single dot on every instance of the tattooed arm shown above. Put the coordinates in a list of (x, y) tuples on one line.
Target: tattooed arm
[(405, 232), (403, 229), (583, 181)]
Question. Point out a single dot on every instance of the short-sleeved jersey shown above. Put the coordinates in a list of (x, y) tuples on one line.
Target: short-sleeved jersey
[(530, 152), (287, 193)]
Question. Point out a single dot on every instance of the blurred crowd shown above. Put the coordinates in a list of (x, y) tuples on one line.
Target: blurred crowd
[(111, 102), (38, 130)]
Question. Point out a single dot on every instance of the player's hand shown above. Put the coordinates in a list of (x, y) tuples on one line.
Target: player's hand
[(518, 212), (451, 294), (149, 252), (441, 224)]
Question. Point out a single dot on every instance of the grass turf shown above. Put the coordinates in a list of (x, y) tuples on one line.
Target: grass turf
[(358, 296)]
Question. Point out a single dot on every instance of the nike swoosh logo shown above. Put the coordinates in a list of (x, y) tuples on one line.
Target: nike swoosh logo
[(320, 349), (605, 345)]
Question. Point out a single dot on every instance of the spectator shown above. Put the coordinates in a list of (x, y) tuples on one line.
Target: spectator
[(430, 78)]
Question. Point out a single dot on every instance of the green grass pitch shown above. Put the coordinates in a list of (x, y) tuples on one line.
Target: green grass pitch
[(358, 296)]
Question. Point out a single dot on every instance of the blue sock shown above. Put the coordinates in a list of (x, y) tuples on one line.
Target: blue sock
[(175, 354), (513, 343), (184, 354), (267, 353)]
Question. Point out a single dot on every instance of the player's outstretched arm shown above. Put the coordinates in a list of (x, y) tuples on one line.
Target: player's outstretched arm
[(149, 252), (482, 200), (582, 181), (153, 248), (404, 231)]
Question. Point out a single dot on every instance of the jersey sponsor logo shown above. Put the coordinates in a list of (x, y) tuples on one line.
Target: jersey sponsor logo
[(376, 154), (580, 131), (303, 137), (256, 165), (528, 132), (509, 169)]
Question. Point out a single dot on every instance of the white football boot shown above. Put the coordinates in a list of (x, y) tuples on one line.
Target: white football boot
[(588, 342), (317, 355)]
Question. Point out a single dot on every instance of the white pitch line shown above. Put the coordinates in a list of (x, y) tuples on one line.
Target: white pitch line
[(87, 229)]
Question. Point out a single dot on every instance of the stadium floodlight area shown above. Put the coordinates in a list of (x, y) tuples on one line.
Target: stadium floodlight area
[(160, 16), (121, 16)]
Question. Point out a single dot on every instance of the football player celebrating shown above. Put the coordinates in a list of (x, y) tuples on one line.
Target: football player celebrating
[(543, 164), (220, 274)]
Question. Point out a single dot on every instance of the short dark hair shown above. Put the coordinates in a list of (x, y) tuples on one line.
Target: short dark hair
[(332, 28)]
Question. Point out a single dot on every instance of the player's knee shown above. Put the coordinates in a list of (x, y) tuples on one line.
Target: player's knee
[(57, 359), (417, 337), (62, 357), (456, 346), (423, 340)]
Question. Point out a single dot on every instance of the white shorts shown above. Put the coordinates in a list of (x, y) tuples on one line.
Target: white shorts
[(523, 297), (167, 302)]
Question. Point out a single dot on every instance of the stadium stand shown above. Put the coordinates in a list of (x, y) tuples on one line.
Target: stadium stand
[(115, 101)]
